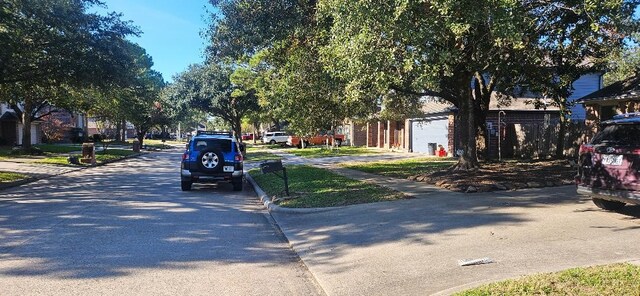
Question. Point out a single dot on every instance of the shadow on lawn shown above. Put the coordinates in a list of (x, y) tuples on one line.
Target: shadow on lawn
[(106, 221)]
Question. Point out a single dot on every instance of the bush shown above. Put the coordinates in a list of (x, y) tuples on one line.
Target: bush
[(30, 151)]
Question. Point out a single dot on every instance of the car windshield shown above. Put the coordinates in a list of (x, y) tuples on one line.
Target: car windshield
[(618, 134), (201, 144)]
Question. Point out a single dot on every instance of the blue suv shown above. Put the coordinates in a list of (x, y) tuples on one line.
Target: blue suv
[(212, 157)]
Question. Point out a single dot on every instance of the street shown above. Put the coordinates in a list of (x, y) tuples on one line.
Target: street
[(126, 228)]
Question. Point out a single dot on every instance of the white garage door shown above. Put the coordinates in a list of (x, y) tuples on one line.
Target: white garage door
[(429, 131)]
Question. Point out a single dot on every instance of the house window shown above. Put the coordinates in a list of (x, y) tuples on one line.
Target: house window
[(607, 112)]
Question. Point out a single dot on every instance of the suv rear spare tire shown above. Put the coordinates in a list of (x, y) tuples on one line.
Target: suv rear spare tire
[(211, 160)]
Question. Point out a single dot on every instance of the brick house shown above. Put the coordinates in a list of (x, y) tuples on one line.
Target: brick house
[(525, 129), (617, 98)]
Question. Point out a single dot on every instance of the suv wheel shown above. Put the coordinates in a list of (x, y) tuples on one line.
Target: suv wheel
[(210, 160), (237, 184), (185, 185), (272, 142), (338, 142), (608, 205)]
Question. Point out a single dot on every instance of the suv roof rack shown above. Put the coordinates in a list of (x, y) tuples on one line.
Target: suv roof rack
[(214, 133)]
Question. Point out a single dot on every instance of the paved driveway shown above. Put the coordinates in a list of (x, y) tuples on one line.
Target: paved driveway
[(411, 247), (126, 228)]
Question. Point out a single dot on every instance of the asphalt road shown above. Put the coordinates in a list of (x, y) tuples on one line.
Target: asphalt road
[(127, 229)]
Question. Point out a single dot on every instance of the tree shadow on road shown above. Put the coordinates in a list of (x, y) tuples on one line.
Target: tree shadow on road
[(108, 221)]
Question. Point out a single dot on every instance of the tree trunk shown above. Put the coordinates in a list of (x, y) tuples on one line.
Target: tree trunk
[(118, 128), (561, 133), (140, 136), (26, 125), (123, 135), (237, 129), (468, 128)]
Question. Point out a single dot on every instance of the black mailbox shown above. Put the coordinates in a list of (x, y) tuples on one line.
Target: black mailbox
[(275, 166), (271, 166)]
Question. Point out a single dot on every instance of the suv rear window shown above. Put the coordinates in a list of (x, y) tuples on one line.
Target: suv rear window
[(201, 144), (618, 134)]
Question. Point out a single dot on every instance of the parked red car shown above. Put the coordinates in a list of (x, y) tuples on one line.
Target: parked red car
[(247, 137), (294, 141), (609, 165)]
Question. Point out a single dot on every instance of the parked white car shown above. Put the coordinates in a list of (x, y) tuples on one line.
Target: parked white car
[(275, 137)]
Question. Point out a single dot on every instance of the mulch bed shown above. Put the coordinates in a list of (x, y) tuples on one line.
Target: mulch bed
[(503, 176)]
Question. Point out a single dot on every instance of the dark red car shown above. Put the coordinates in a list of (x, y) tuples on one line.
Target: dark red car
[(609, 166), (247, 137)]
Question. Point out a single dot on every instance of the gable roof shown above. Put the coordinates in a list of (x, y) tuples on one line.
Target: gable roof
[(9, 116), (628, 89)]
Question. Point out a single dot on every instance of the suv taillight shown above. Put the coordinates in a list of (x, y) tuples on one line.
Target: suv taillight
[(238, 157), (185, 156), (584, 148)]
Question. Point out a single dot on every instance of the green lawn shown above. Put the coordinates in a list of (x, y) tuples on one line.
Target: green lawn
[(102, 156), (403, 168), (616, 279), (314, 152), (316, 187), (10, 177), (59, 148), (258, 156), (252, 147)]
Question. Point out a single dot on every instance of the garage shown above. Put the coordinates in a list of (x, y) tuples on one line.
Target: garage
[(427, 133)]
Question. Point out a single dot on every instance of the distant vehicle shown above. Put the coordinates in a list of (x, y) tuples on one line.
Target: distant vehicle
[(609, 166), (212, 157), (247, 136), (322, 139), (275, 137)]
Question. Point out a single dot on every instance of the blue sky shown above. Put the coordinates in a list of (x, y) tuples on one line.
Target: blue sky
[(170, 30)]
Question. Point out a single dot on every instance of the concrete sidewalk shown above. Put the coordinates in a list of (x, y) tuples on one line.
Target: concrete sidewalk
[(412, 247)]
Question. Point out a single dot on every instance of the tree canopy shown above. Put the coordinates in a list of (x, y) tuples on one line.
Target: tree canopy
[(52, 51)]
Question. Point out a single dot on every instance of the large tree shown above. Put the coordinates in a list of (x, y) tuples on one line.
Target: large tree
[(574, 38), (51, 49), (457, 51), (280, 40), (209, 88)]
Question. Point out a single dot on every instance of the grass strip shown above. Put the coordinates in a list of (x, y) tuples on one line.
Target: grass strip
[(402, 168), (259, 156), (615, 279), (316, 152), (58, 148), (11, 177), (101, 157), (316, 188)]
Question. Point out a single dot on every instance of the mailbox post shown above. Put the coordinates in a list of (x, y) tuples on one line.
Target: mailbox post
[(273, 167)]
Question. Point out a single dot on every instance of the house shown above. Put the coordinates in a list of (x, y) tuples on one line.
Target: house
[(108, 129), (419, 134), (11, 128), (617, 98), (515, 129)]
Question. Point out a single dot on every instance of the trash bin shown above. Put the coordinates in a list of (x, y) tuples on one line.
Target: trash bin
[(431, 148), (136, 146)]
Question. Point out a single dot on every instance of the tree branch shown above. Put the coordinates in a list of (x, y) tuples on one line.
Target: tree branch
[(423, 93)]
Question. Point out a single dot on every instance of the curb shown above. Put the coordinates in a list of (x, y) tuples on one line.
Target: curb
[(272, 207), (28, 180)]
